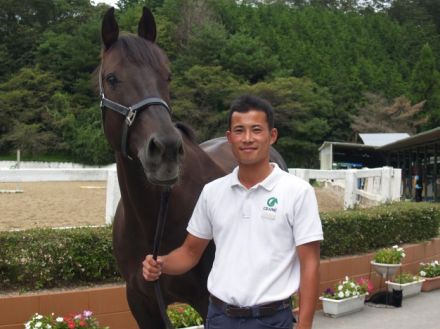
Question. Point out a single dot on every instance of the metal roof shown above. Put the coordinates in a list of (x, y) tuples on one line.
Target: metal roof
[(382, 138), (426, 137)]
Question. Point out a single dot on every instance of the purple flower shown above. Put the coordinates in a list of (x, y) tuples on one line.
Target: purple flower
[(329, 291)]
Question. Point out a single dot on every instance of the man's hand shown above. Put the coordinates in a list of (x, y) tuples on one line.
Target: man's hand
[(152, 269)]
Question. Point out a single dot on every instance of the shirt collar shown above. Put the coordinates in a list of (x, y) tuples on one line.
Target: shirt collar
[(268, 183)]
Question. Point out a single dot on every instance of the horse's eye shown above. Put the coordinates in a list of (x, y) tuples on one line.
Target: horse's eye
[(112, 80)]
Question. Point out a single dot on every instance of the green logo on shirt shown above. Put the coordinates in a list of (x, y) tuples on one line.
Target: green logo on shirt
[(271, 202)]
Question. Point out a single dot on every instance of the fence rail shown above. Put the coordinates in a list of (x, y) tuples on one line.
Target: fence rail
[(378, 185)]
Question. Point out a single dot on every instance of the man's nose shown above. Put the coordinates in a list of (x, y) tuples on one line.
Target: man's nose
[(248, 136)]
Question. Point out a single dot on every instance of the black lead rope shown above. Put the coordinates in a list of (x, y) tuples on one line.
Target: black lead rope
[(165, 197)]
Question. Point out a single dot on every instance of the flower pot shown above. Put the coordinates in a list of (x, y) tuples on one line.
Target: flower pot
[(431, 284), (408, 289), (339, 307), (386, 270)]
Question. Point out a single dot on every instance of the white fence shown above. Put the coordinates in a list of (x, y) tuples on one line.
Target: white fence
[(379, 185)]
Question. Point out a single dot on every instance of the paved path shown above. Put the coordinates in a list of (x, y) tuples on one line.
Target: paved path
[(418, 312)]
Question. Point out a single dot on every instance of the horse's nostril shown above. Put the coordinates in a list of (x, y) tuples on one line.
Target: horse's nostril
[(155, 147)]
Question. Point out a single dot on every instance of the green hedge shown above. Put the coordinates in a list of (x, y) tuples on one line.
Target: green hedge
[(357, 231), (45, 258)]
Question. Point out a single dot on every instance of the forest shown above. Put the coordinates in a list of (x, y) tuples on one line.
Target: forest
[(330, 68)]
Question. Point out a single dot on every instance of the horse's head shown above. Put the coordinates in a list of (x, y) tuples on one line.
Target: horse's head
[(134, 85)]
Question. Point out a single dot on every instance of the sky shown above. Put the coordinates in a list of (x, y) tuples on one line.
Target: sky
[(109, 2)]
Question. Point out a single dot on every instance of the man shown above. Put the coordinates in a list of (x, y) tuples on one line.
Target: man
[(266, 228)]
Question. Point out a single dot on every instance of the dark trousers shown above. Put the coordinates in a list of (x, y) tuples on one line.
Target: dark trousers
[(217, 319)]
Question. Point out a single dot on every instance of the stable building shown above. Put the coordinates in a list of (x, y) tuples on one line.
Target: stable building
[(415, 155)]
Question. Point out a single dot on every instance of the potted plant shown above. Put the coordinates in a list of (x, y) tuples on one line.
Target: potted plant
[(387, 261), (347, 297), (409, 284), (84, 320), (431, 273), (184, 316)]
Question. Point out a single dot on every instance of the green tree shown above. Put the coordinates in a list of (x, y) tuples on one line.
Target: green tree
[(425, 85)]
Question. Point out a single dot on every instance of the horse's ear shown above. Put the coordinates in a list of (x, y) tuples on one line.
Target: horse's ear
[(109, 29), (147, 25)]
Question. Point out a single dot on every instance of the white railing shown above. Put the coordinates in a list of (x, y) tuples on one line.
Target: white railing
[(379, 185)]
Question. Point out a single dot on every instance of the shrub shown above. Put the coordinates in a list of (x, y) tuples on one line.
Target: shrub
[(45, 258), (357, 231)]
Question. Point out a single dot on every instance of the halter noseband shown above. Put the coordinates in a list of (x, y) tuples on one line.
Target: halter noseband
[(128, 112)]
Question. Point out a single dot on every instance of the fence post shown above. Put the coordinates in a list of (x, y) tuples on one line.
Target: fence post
[(385, 184), (350, 189), (396, 182), (112, 195)]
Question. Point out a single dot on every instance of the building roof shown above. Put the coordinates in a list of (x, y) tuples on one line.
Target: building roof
[(425, 137), (382, 138)]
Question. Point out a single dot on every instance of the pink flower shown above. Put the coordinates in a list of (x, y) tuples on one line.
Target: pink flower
[(87, 313)]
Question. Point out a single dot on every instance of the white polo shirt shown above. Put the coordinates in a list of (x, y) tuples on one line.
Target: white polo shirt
[(255, 232)]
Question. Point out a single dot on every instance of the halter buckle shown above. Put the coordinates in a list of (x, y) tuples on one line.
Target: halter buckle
[(131, 115)]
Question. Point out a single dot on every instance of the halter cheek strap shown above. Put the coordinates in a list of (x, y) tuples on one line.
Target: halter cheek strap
[(128, 112)]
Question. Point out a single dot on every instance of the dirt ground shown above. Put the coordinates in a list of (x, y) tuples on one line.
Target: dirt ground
[(61, 204), (52, 204)]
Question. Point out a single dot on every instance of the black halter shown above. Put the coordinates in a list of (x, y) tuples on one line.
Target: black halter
[(128, 112)]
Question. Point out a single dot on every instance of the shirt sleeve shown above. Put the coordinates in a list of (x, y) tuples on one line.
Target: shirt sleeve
[(307, 225), (200, 223)]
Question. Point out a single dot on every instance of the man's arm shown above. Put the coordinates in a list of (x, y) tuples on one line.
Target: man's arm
[(178, 261), (309, 258)]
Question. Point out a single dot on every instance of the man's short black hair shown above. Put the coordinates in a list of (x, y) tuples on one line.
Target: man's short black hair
[(247, 103)]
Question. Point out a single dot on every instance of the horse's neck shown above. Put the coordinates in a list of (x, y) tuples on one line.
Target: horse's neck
[(140, 199)]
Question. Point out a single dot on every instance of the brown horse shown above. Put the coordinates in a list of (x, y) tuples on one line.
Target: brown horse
[(152, 152)]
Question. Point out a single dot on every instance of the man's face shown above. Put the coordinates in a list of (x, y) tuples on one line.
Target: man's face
[(250, 137)]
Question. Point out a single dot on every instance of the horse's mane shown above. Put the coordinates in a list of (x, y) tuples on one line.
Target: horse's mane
[(187, 131)]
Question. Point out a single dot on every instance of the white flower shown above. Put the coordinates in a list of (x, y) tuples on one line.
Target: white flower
[(436, 262), (341, 294), (347, 293), (395, 246), (340, 287), (352, 284), (39, 317), (346, 278), (59, 319), (403, 255), (48, 326), (422, 273), (399, 249), (38, 324), (27, 325)]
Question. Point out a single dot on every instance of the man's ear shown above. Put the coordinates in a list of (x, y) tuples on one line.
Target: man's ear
[(228, 136), (273, 135)]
